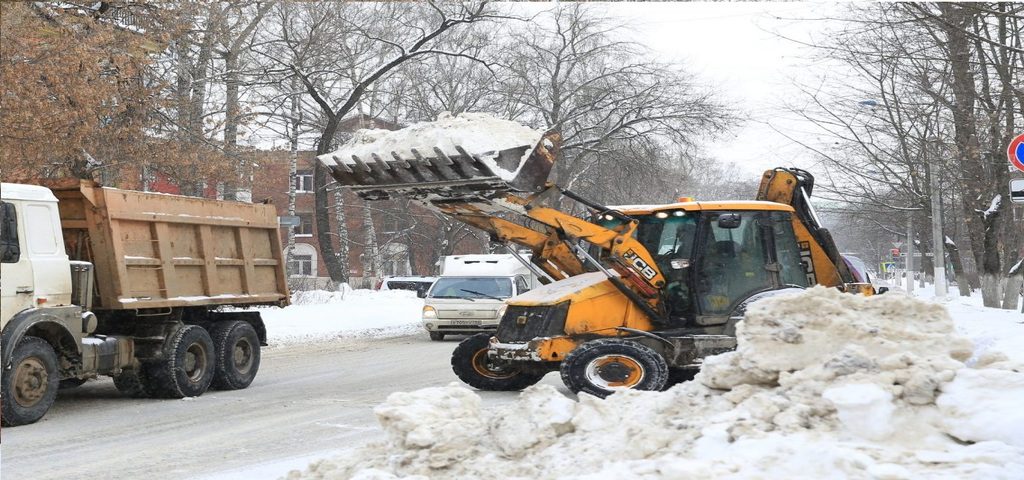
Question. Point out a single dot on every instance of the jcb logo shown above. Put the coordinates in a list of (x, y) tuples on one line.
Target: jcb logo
[(640, 265), (808, 261)]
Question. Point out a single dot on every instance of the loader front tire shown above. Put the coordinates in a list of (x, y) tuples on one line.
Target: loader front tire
[(471, 364), (604, 366), (30, 386)]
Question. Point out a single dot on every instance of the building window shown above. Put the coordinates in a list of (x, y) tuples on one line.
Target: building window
[(303, 261), (305, 227), (304, 181), (302, 265)]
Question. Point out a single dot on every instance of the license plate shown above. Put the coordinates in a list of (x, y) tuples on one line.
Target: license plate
[(465, 322)]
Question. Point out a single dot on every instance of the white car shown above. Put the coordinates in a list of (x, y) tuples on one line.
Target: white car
[(420, 285)]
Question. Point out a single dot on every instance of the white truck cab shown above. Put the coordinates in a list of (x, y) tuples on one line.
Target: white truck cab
[(469, 296), (35, 269)]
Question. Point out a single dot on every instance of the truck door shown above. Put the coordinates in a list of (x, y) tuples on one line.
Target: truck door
[(51, 270), (16, 285)]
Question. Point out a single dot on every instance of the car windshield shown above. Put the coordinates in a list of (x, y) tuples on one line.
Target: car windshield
[(471, 287), (420, 287)]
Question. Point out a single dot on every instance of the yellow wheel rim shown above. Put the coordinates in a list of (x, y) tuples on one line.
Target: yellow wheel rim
[(614, 372), (483, 368)]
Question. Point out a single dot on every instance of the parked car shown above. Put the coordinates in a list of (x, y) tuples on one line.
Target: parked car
[(470, 294), (420, 285)]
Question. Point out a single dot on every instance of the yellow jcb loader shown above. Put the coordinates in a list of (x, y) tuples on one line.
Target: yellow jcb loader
[(635, 296)]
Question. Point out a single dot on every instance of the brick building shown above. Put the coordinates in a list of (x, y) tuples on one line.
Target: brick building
[(410, 237), (414, 254)]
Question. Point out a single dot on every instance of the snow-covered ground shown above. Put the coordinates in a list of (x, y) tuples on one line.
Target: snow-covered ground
[(823, 385), (321, 315)]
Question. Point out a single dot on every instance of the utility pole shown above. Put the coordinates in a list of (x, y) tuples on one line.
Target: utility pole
[(938, 239), (910, 252)]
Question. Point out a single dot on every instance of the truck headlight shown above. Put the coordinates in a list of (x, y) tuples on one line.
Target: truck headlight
[(429, 312)]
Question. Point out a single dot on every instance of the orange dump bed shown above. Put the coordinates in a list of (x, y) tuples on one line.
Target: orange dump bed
[(152, 250)]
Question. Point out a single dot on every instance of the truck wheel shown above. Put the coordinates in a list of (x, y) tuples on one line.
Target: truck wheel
[(471, 365), (236, 355), (602, 367), (69, 383), (436, 336), (30, 386), (134, 383), (188, 365)]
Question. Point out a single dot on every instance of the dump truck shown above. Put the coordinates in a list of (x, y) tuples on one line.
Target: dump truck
[(637, 295), (132, 285)]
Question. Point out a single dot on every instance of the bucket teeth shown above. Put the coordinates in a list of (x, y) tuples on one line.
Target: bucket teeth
[(444, 174)]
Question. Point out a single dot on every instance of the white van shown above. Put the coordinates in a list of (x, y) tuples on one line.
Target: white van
[(469, 295)]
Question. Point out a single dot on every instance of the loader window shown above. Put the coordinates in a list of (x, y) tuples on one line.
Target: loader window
[(787, 250), (733, 264)]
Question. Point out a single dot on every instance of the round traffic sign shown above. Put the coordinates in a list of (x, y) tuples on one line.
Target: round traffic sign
[(1015, 152)]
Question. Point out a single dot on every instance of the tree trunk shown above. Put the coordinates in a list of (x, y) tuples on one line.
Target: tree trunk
[(371, 252), (342, 224), (293, 166), (978, 187), (958, 270), (239, 188)]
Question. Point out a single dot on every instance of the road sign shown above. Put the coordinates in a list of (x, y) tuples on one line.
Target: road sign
[(1017, 190), (1015, 152), (888, 267), (898, 244), (289, 220)]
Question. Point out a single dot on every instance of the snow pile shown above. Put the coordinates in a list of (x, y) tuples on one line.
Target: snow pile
[(319, 315), (479, 134), (822, 385)]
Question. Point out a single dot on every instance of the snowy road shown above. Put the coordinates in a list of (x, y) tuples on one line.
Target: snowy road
[(308, 401)]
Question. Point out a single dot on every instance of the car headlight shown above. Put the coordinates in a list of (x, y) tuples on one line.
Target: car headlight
[(429, 312)]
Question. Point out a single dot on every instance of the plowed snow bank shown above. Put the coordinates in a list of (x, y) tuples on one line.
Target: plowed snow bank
[(822, 385)]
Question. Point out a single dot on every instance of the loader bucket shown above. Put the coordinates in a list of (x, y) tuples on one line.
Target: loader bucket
[(457, 160)]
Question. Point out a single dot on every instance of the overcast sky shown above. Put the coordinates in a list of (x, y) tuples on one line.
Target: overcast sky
[(738, 48)]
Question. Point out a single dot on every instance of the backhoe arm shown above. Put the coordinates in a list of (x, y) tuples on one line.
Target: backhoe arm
[(824, 264)]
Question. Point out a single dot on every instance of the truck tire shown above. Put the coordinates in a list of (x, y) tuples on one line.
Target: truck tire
[(436, 336), (188, 365), (69, 383), (602, 367), (134, 383), (30, 386), (470, 364), (236, 355)]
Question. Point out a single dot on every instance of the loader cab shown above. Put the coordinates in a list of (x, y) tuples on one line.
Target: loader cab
[(713, 260)]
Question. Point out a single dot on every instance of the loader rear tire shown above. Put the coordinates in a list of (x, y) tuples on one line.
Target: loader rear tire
[(604, 366), (471, 364), (187, 368), (236, 355), (30, 386)]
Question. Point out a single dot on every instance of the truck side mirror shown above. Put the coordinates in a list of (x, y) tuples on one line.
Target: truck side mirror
[(729, 220)]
